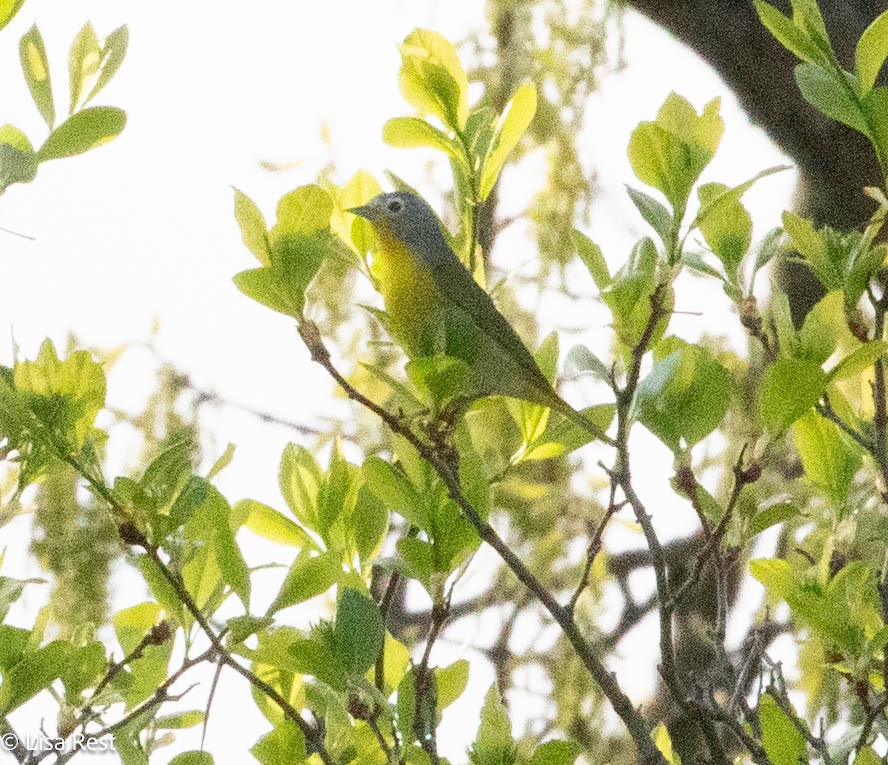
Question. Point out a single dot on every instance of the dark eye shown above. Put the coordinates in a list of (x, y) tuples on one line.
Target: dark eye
[(395, 206)]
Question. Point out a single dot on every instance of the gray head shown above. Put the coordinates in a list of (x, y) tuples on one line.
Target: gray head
[(405, 218)]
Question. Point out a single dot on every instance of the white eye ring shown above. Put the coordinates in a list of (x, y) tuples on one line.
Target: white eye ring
[(395, 206)]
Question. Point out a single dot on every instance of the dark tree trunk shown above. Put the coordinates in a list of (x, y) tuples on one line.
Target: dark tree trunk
[(835, 162)]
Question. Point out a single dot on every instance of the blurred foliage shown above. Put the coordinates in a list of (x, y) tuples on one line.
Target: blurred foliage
[(792, 441)]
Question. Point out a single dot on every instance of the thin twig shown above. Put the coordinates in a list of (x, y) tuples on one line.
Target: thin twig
[(825, 410), (742, 477), (594, 548)]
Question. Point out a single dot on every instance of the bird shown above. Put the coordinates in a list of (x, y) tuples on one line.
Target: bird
[(434, 305)]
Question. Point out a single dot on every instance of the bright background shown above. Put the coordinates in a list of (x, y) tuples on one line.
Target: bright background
[(141, 231)]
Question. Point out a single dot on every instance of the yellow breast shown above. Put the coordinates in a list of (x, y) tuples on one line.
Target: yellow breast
[(408, 289)]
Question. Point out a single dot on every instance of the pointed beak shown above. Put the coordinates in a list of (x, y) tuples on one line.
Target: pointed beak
[(365, 211)]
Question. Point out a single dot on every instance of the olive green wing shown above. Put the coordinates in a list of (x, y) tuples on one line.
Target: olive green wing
[(459, 288)]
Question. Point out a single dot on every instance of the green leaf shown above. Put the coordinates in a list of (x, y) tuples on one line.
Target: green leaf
[(695, 261), (83, 131), (663, 742), (512, 124), (771, 516), (36, 68), (797, 41), (300, 478), (180, 721), (875, 107), (556, 753), (819, 335), (305, 210), (252, 227), (358, 633), (271, 524), (163, 591), (165, 477), (32, 673), (241, 627), (413, 132), (85, 665), (858, 361), (724, 222), (432, 78), (295, 260), (417, 559), (298, 243), (830, 462), (18, 162), (684, 397), (285, 743), (112, 56), (771, 245), (629, 296), (8, 9), (145, 675), (83, 62), (310, 575), (450, 682), (13, 643), (266, 287), (493, 744), (371, 522), (592, 257), (670, 153), (831, 96), (406, 706), (353, 229), (563, 436), (533, 418), (223, 462), (790, 387), (195, 757), (780, 316), (580, 360), (867, 757), (813, 247), (782, 741), (871, 52), (210, 525), (65, 395), (288, 649), (653, 212), (394, 490), (10, 591)]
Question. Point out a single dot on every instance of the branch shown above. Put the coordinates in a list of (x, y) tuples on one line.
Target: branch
[(594, 548), (132, 535), (160, 695), (742, 477), (623, 706), (12, 742)]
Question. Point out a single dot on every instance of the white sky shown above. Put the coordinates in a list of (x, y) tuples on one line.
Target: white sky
[(141, 229)]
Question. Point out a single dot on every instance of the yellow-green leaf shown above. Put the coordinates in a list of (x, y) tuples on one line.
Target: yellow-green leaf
[(432, 79), (413, 132), (83, 131), (512, 124), (36, 68), (871, 52)]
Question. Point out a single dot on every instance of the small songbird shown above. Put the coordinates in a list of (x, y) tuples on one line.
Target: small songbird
[(434, 305)]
